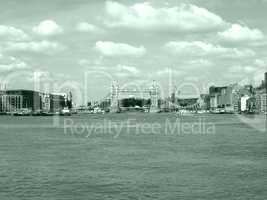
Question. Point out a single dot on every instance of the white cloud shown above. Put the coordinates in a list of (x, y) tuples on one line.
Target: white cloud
[(38, 47), (238, 33), (108, 48), (12, 34), (93, 64), (260, 63), (244, 69), (168, 72), (185, 17), (129, 69), (47, 28), (86, 27), (250, 69), (199, 48), (193, 48), (9, 63), (200, 63), (45, 77), (13, 66)]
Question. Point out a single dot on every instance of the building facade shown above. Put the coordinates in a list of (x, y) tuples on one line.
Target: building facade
[(261, 100), (244, 103), (224, 98), (14, 100), (229, 97), (30, 99), (11, 103), (261, 96), (45, 102), (57, 102)]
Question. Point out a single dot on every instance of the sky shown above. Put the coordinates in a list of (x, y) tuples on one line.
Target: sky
[(84, 46)]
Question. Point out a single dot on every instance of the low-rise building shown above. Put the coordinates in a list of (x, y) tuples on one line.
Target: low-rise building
[(57, 102), (10, 103), (45, 102), (30, 99), (14, 100), (243, 103)]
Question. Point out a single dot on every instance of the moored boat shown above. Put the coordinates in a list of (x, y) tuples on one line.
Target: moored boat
[(65, 112)]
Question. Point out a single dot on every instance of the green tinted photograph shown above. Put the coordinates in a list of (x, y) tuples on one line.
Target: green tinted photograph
[(133, 99)]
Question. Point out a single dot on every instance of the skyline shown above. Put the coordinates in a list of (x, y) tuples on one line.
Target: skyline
[(133, 42)]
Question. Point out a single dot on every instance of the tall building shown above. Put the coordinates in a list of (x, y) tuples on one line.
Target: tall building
[(264, 96), (261, 96)]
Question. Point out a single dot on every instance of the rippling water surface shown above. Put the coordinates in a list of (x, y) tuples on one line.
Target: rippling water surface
[(42, 161)]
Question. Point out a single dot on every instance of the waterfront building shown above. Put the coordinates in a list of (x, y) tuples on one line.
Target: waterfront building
[(57, 102), (45, 102), (13, 100), (213, 101), (62, 94), (243, 103), (261, 100), (66, 96), (30, 99), (264, 96), (223, 97), (261, 96), (229, 97), (10, 103), (218, 97), (264, 103)]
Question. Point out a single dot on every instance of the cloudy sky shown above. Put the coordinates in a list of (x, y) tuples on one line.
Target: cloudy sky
[(77, 43)]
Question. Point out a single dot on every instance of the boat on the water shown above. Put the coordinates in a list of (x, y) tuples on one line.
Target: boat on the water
[(22, 112), (42, 113), (218, 111), (65, 112), (47, 114)]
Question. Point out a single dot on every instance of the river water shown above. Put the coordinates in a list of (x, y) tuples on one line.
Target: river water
[(132, 156)]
